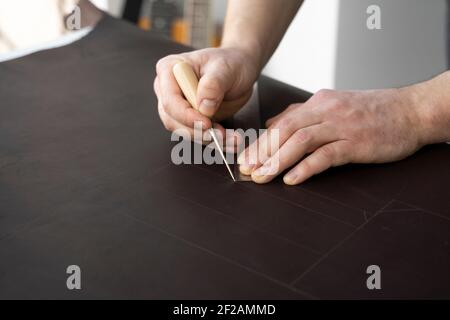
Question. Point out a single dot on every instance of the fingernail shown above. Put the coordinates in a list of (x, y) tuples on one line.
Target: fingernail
[(263, 171), (246, 169), (290, 178), (206, 106)]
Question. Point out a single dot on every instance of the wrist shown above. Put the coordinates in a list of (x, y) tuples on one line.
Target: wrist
[(252, 51), (428, 103)]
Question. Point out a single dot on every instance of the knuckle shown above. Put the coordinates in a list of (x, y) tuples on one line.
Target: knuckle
[(345, 155), (165, 105), (284, 123), (293, 106), (169, 108), (328, 152), (334, 108), (305, 166), (163, 63), (324, 94), (336, 105), (212, 84), (302, 136), (221, 64), (160, 65)]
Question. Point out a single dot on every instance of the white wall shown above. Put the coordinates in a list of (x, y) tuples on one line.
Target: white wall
[(410, 47), (306, 56)]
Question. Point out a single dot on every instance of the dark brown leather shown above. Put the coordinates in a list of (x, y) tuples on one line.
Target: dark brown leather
[(86, 179)]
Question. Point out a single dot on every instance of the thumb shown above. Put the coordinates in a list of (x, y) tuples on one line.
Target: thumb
[(211, 90)]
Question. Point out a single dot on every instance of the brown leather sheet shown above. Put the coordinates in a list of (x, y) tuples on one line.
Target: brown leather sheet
[(86, 179)]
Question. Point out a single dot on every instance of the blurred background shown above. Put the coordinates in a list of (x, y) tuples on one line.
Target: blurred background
[(327, 45)]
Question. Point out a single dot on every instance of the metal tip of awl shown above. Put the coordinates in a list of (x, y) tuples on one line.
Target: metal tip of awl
[(216, 142)]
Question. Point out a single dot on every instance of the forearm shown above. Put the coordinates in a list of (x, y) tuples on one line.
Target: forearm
[(258, 26), (432, 101)]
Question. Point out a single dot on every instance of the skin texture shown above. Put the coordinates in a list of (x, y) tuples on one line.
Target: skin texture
[(219, 81), (333, 128)]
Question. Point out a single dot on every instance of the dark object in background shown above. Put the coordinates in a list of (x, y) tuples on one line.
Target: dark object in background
[(163, 14), (86, 179), (198, 15), (132, 10)]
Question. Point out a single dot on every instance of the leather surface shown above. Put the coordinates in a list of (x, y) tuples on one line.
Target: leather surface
[(86, 179)]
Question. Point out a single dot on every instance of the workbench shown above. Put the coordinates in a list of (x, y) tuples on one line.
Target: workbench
[(86, 179)]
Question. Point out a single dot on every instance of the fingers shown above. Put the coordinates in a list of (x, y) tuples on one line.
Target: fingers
[(274, 137), (300, 143), (330, 155), (171, 97), (174, 126), (272, 120), (246, 165), (214, 82), (220, 73), (233, 140), (229, 139)]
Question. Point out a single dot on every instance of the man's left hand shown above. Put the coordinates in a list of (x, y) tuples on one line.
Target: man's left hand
[(334, 128)]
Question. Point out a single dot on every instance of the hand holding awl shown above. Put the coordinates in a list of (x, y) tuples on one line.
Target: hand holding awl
[(188, 83)]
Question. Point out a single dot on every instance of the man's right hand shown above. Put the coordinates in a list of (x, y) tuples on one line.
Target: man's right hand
[(226, 74)]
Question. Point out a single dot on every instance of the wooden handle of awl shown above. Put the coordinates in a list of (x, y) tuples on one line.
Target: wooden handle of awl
[(188, 83)]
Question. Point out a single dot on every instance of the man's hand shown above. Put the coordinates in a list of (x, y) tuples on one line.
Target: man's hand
[(253, 30), (335, 128), (225, 75)]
